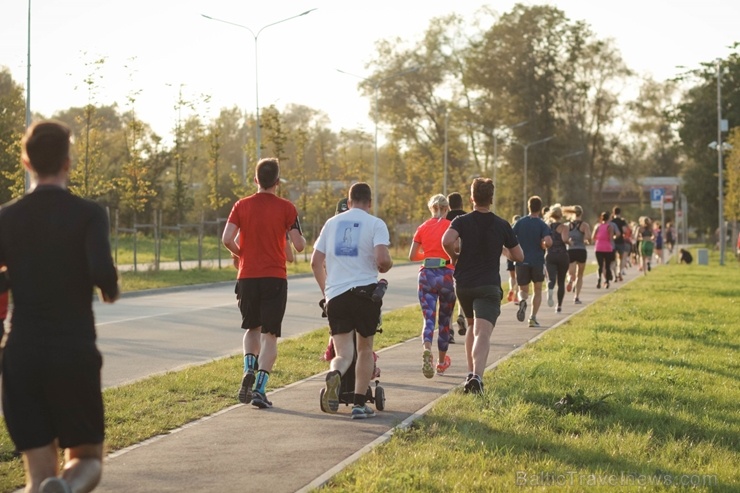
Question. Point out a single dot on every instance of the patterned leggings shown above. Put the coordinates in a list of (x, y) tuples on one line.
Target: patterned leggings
[(437, 284)]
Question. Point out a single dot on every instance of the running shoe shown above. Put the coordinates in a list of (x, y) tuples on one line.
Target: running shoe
[(577, 301), (452, 337), (598, 284), (461, 329), (606, 285), (245, 391), (649, 268), (521, 313), (427, 367), (441, 367), (550, 301), (362, 412), (559, 309), (474, 385), (330, 399), (511, 296), (533, 322), (54, 485), (260, 400)]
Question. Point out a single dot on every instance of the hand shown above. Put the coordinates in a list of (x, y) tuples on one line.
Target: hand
[(235, 260)]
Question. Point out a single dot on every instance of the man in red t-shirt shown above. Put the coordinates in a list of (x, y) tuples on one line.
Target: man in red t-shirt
[(263, 222)]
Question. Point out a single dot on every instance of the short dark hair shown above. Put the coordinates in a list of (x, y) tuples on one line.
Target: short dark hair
[(455, 200), (482, 191), (268, 172), (534, 204), (616, 210), (360, 193), (45, 146), (604, 216)]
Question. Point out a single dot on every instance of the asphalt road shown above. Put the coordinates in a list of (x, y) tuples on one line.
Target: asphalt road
[(148, 334)]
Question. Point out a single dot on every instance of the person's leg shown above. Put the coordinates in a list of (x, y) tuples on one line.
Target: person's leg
[(344, 346), (364, 364), (561, 273), (83, 467), (447, 301), (600, 260), (536, 299), (552, 276), (469, 341), (481, 345), (40, 463), (580, 269), (428, 301)]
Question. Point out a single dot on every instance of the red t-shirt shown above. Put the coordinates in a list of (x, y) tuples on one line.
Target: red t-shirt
[(263, 220), (429, 236)]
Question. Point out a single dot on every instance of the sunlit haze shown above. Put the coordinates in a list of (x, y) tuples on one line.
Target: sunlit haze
[(153, 48)]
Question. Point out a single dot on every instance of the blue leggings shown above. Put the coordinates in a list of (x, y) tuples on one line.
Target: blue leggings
[(437, 284)]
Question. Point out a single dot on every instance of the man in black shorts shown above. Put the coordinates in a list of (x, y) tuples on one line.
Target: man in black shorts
[(485, 236), (56, 249), (348, 254)]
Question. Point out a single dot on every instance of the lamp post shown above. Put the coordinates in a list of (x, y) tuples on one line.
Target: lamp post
[(256, 67), (376, 88), (526, 149), (720, 148)]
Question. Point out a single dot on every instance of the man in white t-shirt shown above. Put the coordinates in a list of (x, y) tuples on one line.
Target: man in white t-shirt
[(349, 252)]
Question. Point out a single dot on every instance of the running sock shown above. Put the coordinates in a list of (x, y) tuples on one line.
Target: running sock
[(359, 399), (250, 362), (262, 377)]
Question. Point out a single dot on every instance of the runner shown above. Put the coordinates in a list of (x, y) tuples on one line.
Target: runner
[(579, 234), (435, 284), (556, 258), (534, 237)]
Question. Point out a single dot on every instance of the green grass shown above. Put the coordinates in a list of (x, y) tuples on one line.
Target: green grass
[(652, 371)]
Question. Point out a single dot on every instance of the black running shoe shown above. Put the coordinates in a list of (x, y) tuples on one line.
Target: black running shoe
[(521, 313), (260, 400), (474, 385), (245, 391), (461, 329)]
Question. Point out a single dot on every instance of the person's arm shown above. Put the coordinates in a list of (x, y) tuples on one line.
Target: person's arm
[(515, 254), (586, 233), (296, 236), (593, 235), (228, 238), (318, 258), (415, 251), (383, 258), (100, 262), (451, 245), (289, 250)]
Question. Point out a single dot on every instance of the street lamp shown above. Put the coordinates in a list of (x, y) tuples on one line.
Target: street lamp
[(721, 148), (256, 67), (526, 149), (721, 126), (376, 86)]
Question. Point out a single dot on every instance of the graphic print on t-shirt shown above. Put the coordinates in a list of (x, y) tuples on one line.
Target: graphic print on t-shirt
[(348, 234)]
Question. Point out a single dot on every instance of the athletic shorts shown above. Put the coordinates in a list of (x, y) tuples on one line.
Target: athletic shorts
[(624, 248), (526, 273), (262, 303), (578, 255), (52, 391), (483, 302), (510, 266), (646, 248), (352, 310)]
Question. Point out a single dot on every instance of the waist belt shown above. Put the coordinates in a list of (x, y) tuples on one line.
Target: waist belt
[(434, 263)]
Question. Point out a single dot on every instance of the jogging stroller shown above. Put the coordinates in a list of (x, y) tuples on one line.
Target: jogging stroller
[(347, 385)]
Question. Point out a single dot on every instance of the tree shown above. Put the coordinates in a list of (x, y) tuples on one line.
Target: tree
[(12, 124)]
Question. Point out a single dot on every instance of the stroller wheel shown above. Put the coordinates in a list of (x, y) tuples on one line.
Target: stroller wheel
[(379, 398)]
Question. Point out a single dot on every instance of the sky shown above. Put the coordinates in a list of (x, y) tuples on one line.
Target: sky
[(153, 49)]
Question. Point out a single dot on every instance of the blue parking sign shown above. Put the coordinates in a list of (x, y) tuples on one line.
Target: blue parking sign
[(656, 194)]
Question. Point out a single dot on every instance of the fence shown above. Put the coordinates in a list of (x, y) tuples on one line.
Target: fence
[(177, 234)]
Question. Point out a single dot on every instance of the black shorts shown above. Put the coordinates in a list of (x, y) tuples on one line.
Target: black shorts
[(526, 273), (510, 265), (578, 255), (52, 391), (483, 302), (262, 303), (350, 311)]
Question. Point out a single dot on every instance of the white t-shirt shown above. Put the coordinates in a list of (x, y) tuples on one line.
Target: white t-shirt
[(348, 240)]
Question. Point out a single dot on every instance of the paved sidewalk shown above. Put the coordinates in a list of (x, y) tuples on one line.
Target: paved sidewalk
[(294, 446)]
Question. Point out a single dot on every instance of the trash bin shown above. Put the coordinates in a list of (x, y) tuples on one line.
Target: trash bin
[(702, 256)]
